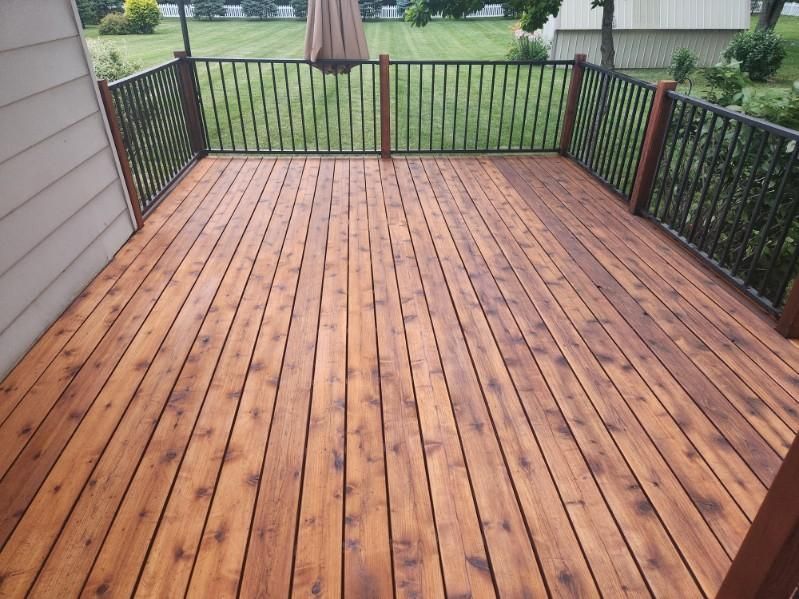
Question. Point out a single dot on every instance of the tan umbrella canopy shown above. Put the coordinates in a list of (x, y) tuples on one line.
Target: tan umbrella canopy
[(334, 33)]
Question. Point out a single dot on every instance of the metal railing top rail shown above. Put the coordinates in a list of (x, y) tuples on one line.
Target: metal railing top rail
[(146, 72), (618, 75), (738, 116), (280, 60)]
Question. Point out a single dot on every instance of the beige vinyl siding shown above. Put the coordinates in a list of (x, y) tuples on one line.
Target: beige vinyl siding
[(643, 49), (63, 207), (658, 14)]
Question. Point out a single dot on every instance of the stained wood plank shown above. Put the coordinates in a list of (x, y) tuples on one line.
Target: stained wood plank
[(367, 550), (171, 554), (372, 377)]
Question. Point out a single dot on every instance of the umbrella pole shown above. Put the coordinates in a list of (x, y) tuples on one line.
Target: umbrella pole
[(184, 28)]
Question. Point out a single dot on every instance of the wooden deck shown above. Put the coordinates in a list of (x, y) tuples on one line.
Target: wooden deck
[(470, 377)]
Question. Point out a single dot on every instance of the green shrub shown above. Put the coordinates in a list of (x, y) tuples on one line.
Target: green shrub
[(726, 83), (208, 9), (143, 15), (109, 62), (114, 23), (760, 53), (683, 63), (418, 13), (527, 47), (370, 9), (259, 9), (780, 106), (300, 8)]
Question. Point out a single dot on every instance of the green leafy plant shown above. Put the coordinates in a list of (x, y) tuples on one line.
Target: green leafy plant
[(370, 9), (726, 83), (114, 23), (528, 47), (418, 13), (143, 15), (683, 64), (208, 9), (760, 53), (259, 9), (300, 8), (109, 61)]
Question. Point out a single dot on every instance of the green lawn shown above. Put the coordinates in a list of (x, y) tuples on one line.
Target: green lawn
[(477, 39)]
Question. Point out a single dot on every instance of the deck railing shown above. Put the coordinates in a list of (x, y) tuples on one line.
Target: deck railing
[(477, 106), (610, 124), (728, 186), (150, 109), (724, 184)]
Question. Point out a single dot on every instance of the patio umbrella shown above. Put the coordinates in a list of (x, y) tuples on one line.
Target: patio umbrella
[(334, 33)]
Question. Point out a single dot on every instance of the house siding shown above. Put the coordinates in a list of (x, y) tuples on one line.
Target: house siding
[(643, 49), (64, 211)]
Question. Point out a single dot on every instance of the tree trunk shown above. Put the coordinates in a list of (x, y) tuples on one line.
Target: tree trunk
[(607, 47), (769, 13)]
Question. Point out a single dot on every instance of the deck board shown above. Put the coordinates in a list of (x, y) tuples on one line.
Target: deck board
[(421, 377)]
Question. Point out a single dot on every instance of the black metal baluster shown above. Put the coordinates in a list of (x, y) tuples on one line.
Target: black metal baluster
[(526, 100), (537, 109), (706, 185), (263, 102), (349, 101), (234, 68), (502, 105), (278, 121), (363, 112), (665, 175), (172, 82), (680, 221), (490, 105), (154, 150), (790, 217), (700, 244), (131, 144), (556, 146), (302, 108), (419, 132), (338, 116), (227, 106), (730, 196), (626, 140), (313, 106), (468, 100), (686, 140), (167, 125), (443, 106), (327, 115), (432, 100), (252, 107), (213, 103), (455, 108), (479, 107), (549, 110), (764, 231), (288, 104), (744, 196), (589, 103), (612, 125)]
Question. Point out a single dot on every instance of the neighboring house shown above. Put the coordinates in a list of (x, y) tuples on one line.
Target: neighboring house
[(64, 210), (646, 32)]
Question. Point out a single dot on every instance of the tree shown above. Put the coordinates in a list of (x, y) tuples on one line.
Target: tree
[(770, 11), (260, 9), (208, 9), (533, 14), (607, 47)]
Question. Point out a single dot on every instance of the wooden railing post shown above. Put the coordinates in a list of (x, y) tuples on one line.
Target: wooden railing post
[(385, 107), (656, 130), (116, 135), (191, 108), (767, 563), (788, 323), (572, 102)]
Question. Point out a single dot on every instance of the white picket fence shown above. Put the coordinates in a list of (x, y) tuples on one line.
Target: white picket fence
[(287, 12)]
